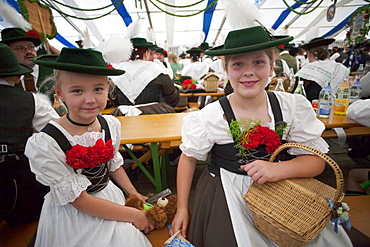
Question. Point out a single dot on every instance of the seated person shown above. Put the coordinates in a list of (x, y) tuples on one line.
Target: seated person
[(144, 83), (22, 114), (196, 69), (320, 68)]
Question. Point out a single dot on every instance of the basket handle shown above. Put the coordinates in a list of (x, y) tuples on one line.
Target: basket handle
[(337, 171)]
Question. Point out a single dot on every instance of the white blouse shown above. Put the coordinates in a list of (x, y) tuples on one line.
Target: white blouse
[(48, 162), (202, 129)]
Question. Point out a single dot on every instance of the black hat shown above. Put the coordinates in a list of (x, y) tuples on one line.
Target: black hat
[(319, 41), (10, 35), (246, 40), (9, 65), (86, 61)]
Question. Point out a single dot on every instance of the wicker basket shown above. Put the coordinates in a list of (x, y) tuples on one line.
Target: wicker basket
[(211, 82), (292, 212)]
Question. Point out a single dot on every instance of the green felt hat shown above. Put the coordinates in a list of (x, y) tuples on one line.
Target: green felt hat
[(247, 40), (204, 46), (9, 65), (319, 41), (161, 50), (10, 35), (86, 61), (141, 42), (184, 77), (194, 50), (182, 55)]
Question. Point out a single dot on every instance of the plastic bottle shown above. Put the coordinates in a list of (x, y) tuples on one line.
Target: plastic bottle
[(360, 72), (342, 100), (325, 101), (367, 67), (356, 91), (300, 89), (279, 85), (292, 79)]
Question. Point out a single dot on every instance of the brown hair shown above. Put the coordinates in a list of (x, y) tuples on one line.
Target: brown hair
[(319, 52), (138, 53)]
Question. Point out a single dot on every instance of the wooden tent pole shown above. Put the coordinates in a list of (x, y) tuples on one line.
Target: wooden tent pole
[(43, 31)]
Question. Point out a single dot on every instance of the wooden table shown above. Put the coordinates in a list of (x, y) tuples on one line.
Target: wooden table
[(359, 212), (214, 95), (163, 129), (350, 127)]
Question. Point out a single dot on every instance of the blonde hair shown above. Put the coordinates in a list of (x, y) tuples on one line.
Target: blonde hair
[(173, 57), (269, 51), (56, 80)]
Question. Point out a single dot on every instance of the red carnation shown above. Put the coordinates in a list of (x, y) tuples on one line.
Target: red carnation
[(188, 84), (109, 66), (348, 34), (260, 135), (75, 156), (80, 157), (33, 33), (366, 16)]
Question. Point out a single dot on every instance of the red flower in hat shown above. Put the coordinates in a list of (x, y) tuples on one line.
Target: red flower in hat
[(33, 33), (110, 66)]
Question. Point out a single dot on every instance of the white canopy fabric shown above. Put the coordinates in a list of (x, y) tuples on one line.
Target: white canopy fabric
[(180, 33)]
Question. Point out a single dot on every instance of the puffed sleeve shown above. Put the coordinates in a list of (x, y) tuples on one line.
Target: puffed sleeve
[(359, 111), (115, 129), (44, 112), (48, 163), (305, 128), (196, 141)]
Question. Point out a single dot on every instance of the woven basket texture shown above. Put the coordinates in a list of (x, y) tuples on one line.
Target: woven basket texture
[(292, 212), (210, 85)]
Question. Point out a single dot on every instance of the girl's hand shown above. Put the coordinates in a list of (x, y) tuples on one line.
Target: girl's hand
[(140, 196), (142, 223), (263, 171), (180, 221)]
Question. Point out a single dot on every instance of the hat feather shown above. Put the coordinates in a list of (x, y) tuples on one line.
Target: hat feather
[(241, 14), (116, 49), (134, 28), (11, 15), (150, 35), (86, 43)]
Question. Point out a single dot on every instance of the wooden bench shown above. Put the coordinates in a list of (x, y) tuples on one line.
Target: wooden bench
[(17, 236), (20, 236)]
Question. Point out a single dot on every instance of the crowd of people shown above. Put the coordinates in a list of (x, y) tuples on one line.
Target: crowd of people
[(67, 171)]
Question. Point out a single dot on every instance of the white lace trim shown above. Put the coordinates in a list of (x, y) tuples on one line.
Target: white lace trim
[(318, 144), (138, 75), (87, 139), (320, 71), (69, 189)]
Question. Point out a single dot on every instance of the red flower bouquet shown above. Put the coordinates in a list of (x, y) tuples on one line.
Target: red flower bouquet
[(259, 135), (188, 84), (250, 135), (80, 157)]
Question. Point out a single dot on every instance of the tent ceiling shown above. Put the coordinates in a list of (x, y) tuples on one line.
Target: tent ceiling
[(188, 30)]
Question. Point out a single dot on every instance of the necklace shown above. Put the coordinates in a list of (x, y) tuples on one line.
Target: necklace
[(80, 124)]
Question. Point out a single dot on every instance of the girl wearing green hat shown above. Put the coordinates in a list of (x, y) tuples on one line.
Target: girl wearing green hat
[(77, 155), (240, 131)]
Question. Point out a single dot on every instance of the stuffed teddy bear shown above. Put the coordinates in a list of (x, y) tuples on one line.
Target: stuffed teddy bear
[(159, 213)]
